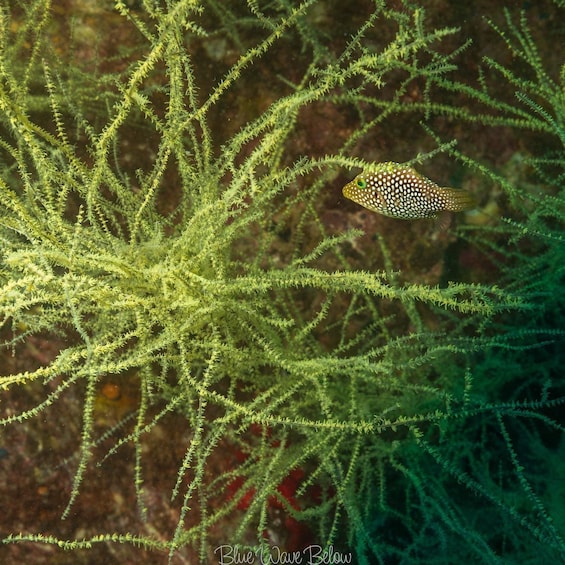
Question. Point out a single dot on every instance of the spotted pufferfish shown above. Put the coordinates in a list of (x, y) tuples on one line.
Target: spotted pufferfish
[(398, 191)]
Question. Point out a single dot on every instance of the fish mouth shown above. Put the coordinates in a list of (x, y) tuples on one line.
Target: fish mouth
[(346, 191)]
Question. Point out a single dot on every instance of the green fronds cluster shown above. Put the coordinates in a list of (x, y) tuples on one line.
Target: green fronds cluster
[(178, 269)]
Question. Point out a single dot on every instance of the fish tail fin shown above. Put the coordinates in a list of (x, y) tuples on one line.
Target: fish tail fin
[(459, 199)]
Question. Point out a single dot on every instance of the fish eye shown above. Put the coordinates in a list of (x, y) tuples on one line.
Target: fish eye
[(361, 183)]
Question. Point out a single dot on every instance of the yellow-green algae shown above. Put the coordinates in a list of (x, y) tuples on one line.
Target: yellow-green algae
[(202, 273)]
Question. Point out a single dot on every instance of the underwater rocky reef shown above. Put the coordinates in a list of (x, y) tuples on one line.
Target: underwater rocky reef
[(209, 353)]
